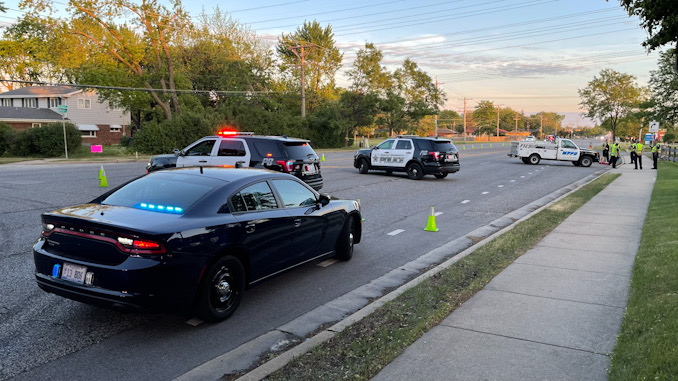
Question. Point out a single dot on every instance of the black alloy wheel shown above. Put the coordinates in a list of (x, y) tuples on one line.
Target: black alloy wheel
[(363, 166), (414, 171), (222, 289), (344, 248)]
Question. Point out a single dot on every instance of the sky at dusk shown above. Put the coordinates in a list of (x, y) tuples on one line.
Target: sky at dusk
[(530, 55)]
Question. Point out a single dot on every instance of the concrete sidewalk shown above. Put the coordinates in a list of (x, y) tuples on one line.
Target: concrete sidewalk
[(554, 314)]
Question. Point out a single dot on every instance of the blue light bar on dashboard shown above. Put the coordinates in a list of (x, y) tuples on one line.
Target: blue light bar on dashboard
[(160, 208)]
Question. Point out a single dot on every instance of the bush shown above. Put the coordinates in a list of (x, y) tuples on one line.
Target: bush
[(6, 135), (167, 135), (44, 141), (669, 137)]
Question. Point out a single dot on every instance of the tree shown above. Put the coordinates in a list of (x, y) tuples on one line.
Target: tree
[(485, 117), (392, 113), (659, 18), (664, 90), (356, 110), (611, 95), (367, 74), (322, 57), (419, 92)]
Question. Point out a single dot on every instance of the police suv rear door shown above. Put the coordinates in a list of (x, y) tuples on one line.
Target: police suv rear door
[(230, 151)]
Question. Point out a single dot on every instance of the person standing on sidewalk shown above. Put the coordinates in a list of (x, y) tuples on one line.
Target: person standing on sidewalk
[(639, 154), (634, 154), (656, 151), (606, 153), (614, 153)]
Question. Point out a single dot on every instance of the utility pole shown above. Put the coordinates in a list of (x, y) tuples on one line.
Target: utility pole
[(465, 99), (516, 119), (497, 120), (541, 126), (435, 131), (302, 57)]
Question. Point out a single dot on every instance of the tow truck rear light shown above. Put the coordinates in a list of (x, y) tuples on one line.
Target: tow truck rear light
[(288, 166)]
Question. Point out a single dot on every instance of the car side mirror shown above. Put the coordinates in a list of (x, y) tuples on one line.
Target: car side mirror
[(323, 199), (178, 153), (374, 147)]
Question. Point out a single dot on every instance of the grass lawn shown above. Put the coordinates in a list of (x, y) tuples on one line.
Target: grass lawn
[(647, 347), (110, 153), (361, 350)]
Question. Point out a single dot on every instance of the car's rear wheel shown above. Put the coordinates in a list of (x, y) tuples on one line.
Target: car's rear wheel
[(440, 175), (363, 166), (344, 248), (534, 159), (586, 161), (414, 171), (222, 289)]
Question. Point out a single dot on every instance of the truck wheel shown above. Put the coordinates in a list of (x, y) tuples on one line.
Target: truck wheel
[(586, 161), (576, 163), (415, 171), (364, 166), (525, 160), (534, 159)]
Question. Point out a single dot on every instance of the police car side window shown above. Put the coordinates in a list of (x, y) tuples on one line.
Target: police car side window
[(404, 144), (203, 148), (254, 197), (294, 194), (231, 148), (388, 144)]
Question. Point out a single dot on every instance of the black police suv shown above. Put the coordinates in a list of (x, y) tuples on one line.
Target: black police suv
[(190, 239), (416, 155), (244, 149)]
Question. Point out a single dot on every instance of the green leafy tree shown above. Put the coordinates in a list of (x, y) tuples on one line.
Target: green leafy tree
[(392, 113), (611, 95), (659, 18), (664, 90), (367, 74), (322, 59), (485, 117), (357, 109)]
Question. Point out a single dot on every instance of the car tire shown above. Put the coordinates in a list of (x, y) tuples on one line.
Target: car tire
[(222, 289), (415, 171), (525, 160), (586, 161), (440, 175), (534, 159), (576, 163), (344, 247), (363, 166)]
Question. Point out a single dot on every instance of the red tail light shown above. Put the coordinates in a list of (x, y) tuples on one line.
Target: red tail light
[(287, 166), (436, 155), (148, 245)]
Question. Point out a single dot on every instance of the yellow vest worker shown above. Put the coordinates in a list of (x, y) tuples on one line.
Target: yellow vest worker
[(656, 151), (639, 155), (614, 154)]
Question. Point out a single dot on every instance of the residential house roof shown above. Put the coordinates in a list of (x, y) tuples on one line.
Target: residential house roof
[(40, 92), (28, 114)]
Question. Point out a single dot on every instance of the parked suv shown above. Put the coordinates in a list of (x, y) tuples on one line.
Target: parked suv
[(244, 149), (418, 156)]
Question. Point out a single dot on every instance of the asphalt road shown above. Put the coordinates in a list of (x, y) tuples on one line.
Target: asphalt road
[(44, 336)]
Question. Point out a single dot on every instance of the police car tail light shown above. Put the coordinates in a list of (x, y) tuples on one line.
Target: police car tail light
[(435, 154), (138, 246), (288, 166)]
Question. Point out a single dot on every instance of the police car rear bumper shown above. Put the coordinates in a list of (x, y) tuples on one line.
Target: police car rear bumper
[(441, 168)]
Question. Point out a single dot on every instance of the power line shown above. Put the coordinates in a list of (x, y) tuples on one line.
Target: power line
[(322, 13)]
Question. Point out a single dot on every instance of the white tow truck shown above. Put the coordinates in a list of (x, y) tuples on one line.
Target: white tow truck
[(532, 152)]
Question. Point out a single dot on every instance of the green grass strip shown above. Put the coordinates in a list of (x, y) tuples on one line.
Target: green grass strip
[(647, 347), (363, 349)]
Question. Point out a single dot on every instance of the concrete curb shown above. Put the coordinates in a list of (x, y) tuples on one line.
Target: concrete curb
[(216, 368)]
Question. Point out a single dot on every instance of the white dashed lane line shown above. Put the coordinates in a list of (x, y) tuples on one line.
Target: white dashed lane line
[(395, 232), (485, 192), (530, 173), (466, 201), (327, 262), (500, 186), (513, 181), (194, 322), (522, 177)]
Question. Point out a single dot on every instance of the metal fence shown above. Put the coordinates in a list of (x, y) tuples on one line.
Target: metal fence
[(669, 153)]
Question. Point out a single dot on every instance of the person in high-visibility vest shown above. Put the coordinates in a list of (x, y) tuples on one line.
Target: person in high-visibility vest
[(614, 154), (656, 151), (639, 155)]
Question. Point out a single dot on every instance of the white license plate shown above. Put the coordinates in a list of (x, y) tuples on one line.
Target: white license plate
[(73, 273), (309, 170), (449, 158)]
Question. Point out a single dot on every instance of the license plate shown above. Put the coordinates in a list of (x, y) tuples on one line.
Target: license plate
[(449, 158), (73, 273), (309, 169)]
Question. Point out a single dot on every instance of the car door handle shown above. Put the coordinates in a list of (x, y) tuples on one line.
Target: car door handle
[(297, 222), (202, 161), (250, 228)]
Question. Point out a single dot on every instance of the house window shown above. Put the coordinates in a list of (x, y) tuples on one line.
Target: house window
[(36, 125), (116, 128), (89, 134), (30, 102), (6, 102), (84, 103), (54, 102)]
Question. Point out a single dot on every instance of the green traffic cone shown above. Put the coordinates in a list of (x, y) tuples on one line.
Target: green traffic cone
[(101, 172), (323, 158), (431, 225), (104, 182)]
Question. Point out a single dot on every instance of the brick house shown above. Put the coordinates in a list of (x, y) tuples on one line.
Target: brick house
[(33, 106)]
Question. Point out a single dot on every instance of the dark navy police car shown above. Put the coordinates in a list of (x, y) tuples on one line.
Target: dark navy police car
[(244, 149), (415, 155), (190, 239)]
